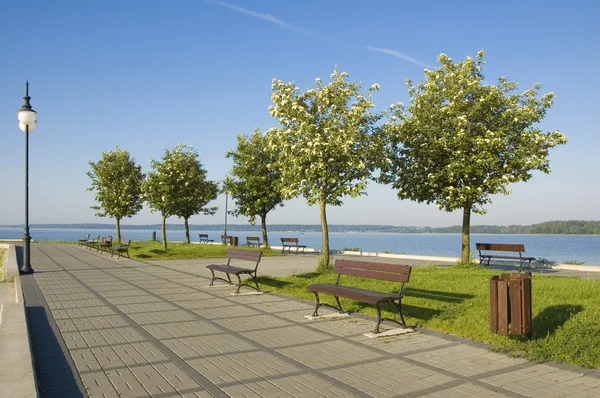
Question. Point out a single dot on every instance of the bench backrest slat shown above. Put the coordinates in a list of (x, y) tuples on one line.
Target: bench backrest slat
[(289, 240), (248, 255), (253, 238), (502, 247), (381, 271)]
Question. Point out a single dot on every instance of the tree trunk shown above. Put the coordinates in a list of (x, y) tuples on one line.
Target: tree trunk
[(263, 227), (118, 231), (325, 238), (164, 231), (187, 229), (466, 235)]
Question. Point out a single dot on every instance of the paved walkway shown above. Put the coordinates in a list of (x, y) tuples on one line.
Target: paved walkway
[(122, 328)]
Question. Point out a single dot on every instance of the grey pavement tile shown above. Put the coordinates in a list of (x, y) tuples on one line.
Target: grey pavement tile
[(148, 318), (152, 381), (121, 335), (229, 312), (182, 329), (253, 322), (466, 360), (107, 357), (85, 360), (280, 305), (126, 384), (208, 345), (236, 368), (328, 354), (285, 336), (146, 307), (176, 377), (344, 327), (74, 340), (404, 343), (382, 377), (179, 298), (210, 303), (97, 384)]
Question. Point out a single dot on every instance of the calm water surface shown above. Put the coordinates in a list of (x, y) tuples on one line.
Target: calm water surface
[(559, 248)]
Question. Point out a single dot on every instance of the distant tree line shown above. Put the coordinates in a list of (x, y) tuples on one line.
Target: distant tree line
[(571, 227)]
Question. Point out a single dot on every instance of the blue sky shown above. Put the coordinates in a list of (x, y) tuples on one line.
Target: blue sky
[(146, 75)]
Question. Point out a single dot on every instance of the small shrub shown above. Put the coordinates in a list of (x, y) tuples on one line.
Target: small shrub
[(323, 267), (544, 261), (573, 262), (351, 249)]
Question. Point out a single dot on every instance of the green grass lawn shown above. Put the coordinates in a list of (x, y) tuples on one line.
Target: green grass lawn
[(566, 311), (152, 250)]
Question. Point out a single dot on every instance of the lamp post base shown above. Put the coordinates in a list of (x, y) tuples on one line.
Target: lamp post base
[(26, 269)]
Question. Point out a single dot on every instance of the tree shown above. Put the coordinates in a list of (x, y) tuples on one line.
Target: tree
[(253, 186), (177, 186), (462, 140), (196, 192), (323, 144), (117, 181)]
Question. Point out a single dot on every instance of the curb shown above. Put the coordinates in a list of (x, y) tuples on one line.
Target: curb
[(12, 267), (17, 377)]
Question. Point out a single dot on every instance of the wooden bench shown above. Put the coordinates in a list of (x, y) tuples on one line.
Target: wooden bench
[(105, 244), (84, 241), (381, 271), (229, 240), (229, 269), (253, 241), (289, 243), (204, 238), (503, 247), (90, 243), (122, 249)]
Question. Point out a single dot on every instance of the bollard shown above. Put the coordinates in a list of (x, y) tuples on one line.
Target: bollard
[(510, 303)]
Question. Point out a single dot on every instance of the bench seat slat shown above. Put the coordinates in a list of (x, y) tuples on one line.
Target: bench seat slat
[(230, 269), (354, 293), (507, 257)]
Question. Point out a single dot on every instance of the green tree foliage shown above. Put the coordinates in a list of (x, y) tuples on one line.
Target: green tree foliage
[(323, 142), (195, 191), (117, 181), (177, 186), (254, 186), (462, 140)]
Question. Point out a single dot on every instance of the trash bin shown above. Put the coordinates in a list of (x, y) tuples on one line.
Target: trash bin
[(510, 303), (153, 235), (233, 240)]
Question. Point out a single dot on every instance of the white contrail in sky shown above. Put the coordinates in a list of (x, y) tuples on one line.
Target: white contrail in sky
[(270, 18), (400, 55), (298, 29)]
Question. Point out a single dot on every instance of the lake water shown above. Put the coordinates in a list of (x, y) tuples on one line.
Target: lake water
[(558, 248)]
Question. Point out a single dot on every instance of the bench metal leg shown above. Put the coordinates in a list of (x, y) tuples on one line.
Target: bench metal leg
[(380, 319), (228, 280), (319, 304), (240, 284)]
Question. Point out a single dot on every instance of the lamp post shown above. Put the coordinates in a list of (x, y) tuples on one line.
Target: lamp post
[(27, 122), (226, 200)]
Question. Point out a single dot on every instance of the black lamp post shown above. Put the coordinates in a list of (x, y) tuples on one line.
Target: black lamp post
[(226, 200), (27, 122)]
